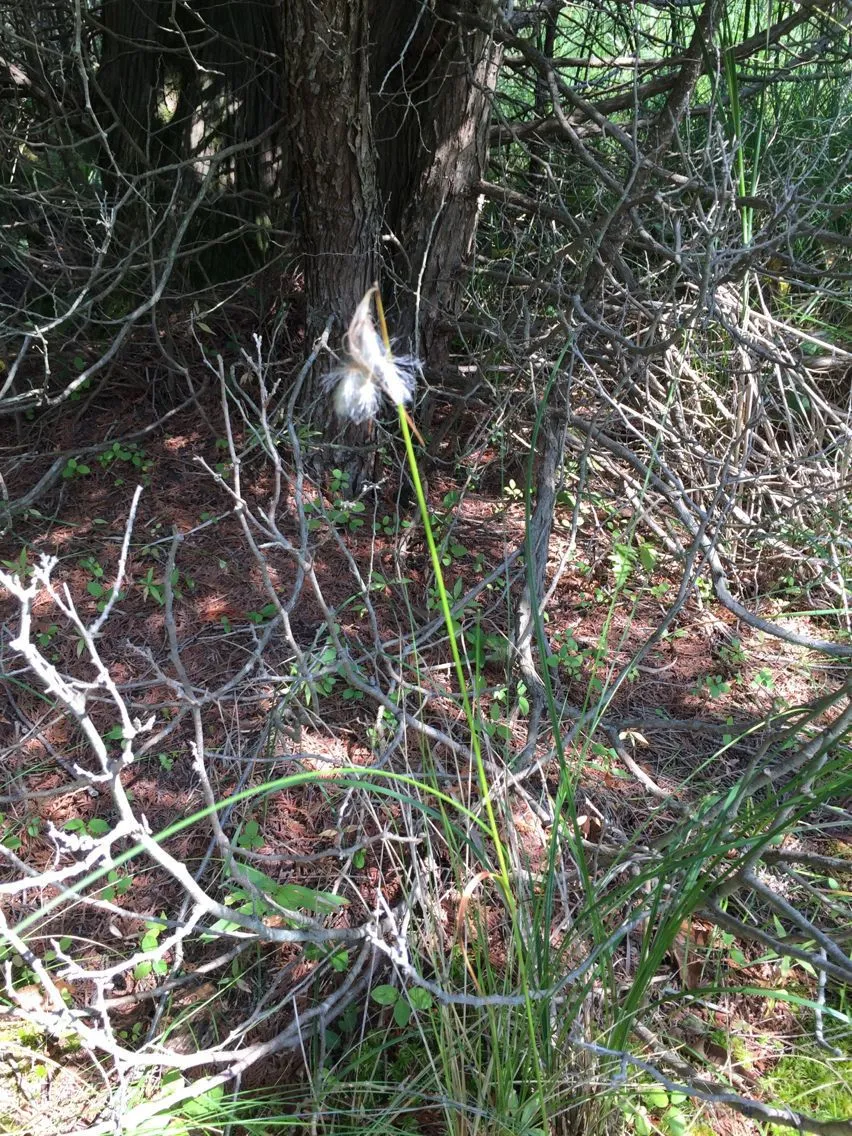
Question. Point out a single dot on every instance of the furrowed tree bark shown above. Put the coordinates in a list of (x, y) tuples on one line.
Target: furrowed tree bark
[(425, 78), (439, 223), (126, 86), (175, 85), (327, 58)]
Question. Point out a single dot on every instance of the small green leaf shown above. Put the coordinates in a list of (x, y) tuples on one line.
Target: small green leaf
[(384, 995), (221, 926), (419, 998), (339, 961), (647, 557), (641, 1124), (250, 838), (206, 1104), (675, 1123), (294, 895), (656, 1098), (402, 1013)]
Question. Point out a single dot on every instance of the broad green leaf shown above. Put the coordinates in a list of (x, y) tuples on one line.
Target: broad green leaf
[(656, 1098), (647, 557), (384, 995), (419, 998), (401, 1012)]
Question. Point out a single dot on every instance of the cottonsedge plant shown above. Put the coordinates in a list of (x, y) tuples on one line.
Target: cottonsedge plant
[(370, 373)]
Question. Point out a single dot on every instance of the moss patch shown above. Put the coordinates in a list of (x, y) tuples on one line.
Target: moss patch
[(813, 1081)]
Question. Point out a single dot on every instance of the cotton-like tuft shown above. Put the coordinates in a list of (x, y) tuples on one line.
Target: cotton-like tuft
[(357, 395), (369, 372)]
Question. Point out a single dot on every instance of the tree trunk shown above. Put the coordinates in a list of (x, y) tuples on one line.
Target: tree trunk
[(326, 49), (425, 80), (126, 86), (440, 220), (176, 85)]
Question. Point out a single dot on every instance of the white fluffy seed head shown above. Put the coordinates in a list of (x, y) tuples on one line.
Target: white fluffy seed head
[(356, 394), (370, 371)]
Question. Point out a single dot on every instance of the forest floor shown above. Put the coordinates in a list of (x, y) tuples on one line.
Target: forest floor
[(706, 677)]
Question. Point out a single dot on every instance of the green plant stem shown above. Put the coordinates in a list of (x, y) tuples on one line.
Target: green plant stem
[(503, 878), (485, 789), (476, 746), (482, 777)]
